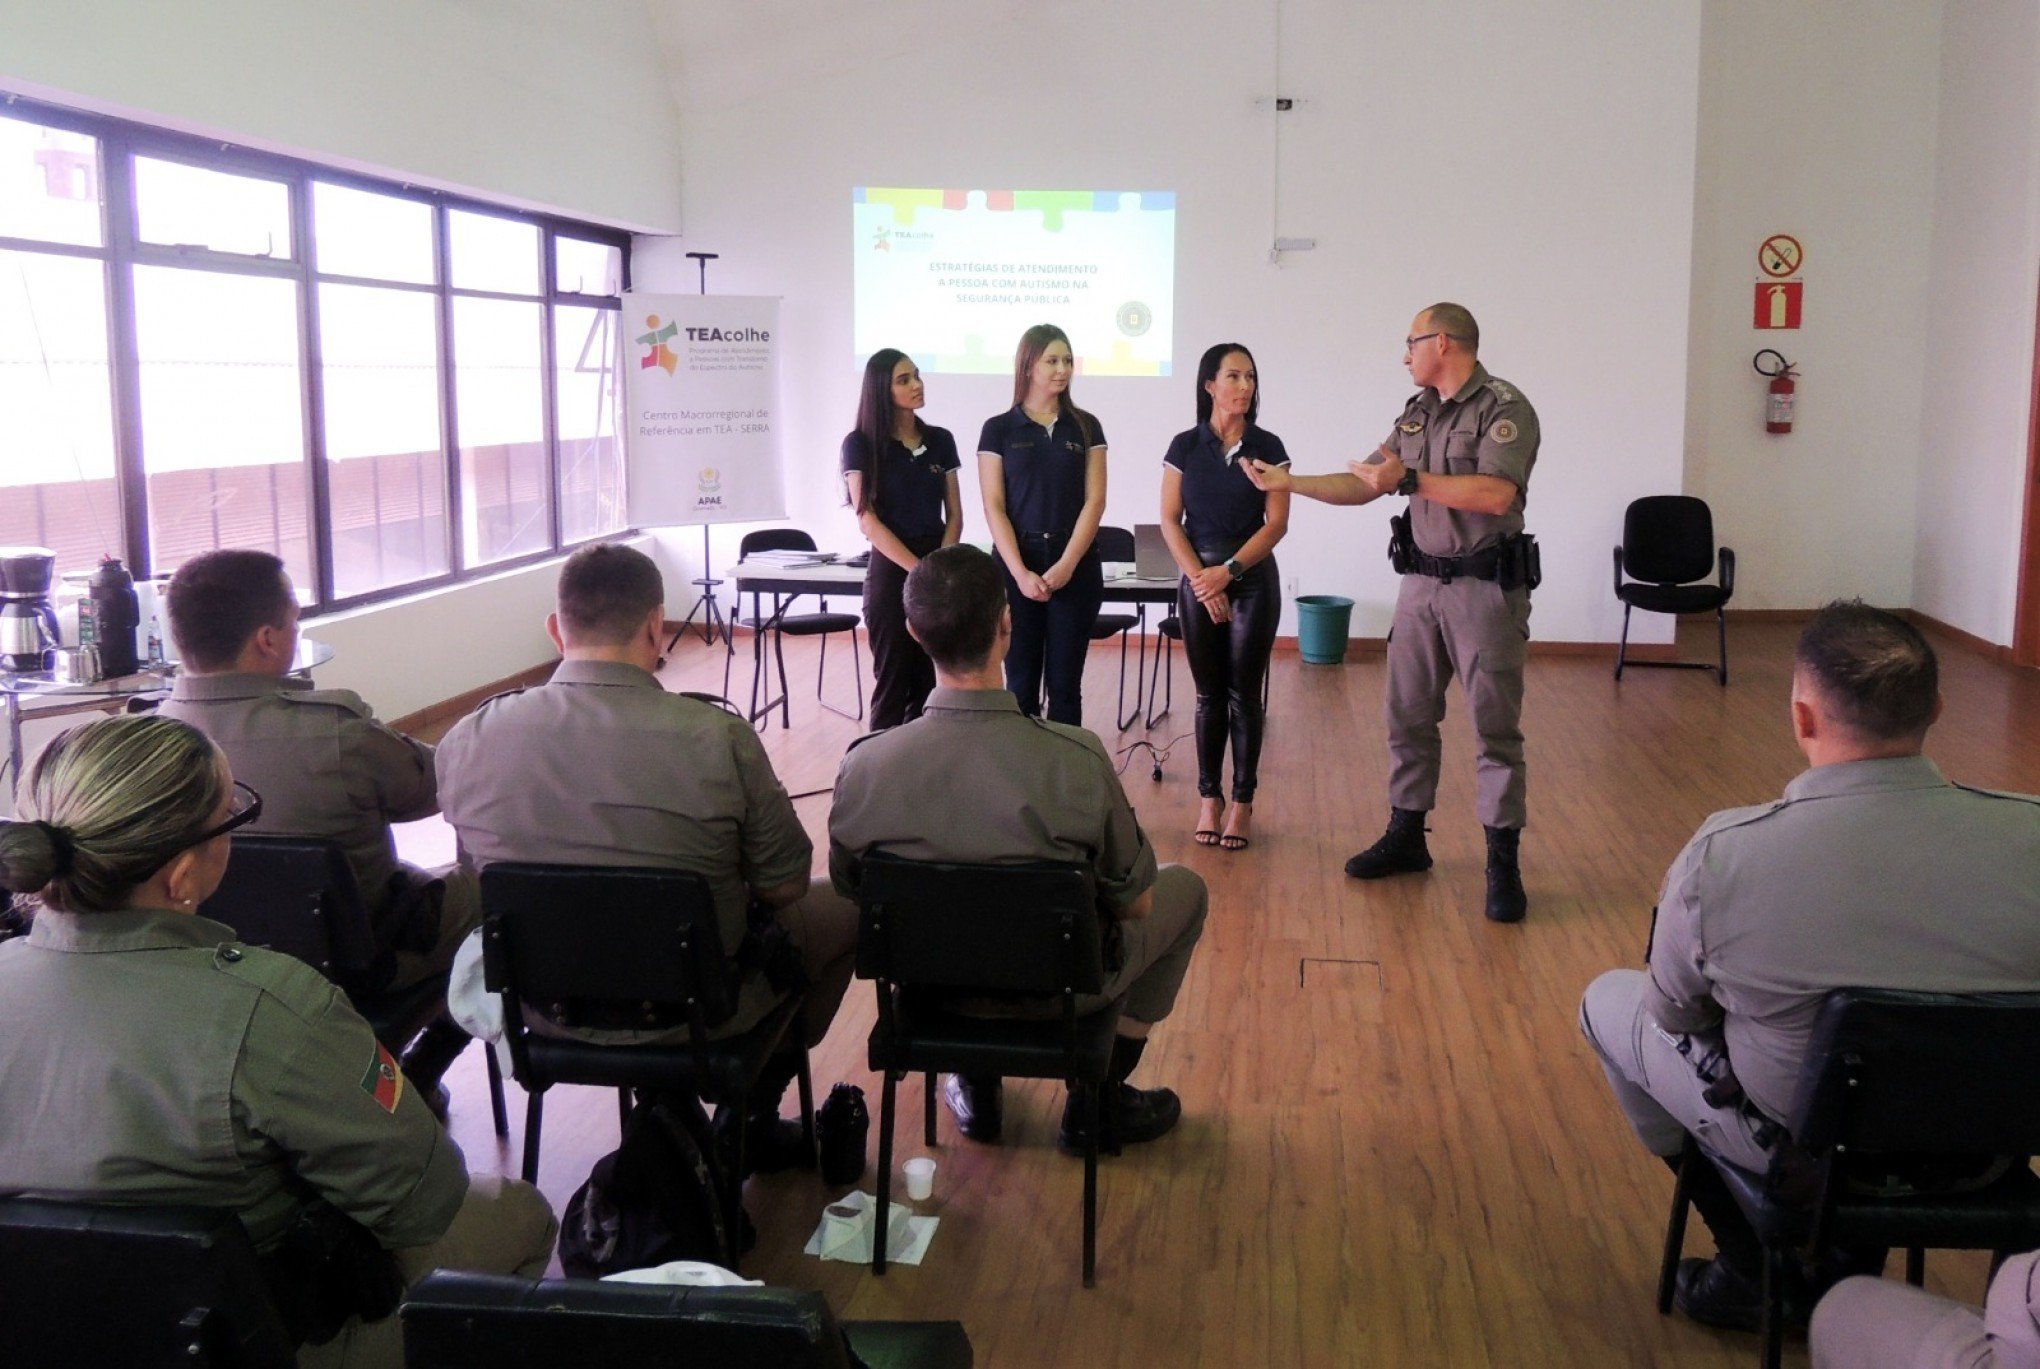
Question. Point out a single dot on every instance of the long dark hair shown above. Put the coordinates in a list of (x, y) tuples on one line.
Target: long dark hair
[(875, 413), (1207, 371), (1033, 343)]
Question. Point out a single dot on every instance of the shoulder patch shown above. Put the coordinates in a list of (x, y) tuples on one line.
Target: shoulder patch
[(383, 1081), (1503, 390), (1412, 429), (1504, 430)]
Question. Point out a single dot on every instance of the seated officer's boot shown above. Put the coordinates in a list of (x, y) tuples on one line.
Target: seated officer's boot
[(428, 1057), (979, 1105), (1131, 1115), (1506, 901), (1401, 850)]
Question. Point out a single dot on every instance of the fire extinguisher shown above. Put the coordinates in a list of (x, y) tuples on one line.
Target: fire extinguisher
[(1778, 402)]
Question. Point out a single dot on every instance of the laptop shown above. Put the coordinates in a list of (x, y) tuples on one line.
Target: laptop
[(1151, 559)]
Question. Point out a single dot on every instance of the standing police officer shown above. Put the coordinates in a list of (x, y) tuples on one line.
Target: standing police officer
[(1462, 453)]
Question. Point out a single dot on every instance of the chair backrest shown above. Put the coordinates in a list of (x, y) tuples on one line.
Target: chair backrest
[(619, 948), (1668, 539), (1113, 544), (775, 539), (1896, 1072), (495, 1321), (296, 895), (1016, 929), (140, 1287)]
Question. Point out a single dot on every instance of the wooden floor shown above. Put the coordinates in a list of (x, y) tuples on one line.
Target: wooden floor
[(1396, 1148)]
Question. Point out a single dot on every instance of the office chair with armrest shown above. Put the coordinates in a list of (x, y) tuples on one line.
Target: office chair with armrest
[(496, 1321), (1667, 543), (1899, 1078), (930, 931), (782, 625), (627, 949), (140, 1287), (297, 895)]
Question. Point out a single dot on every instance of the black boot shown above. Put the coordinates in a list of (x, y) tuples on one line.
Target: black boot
[(1506, 901), (773, 1143), (1131, 1115), (1728, 1290), (1401, 850), (429, 1056)]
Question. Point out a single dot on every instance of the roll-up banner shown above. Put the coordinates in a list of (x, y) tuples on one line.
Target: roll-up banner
[(704, 400)]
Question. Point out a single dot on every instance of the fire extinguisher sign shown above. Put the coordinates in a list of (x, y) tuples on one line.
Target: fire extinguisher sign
[(1778, 303)]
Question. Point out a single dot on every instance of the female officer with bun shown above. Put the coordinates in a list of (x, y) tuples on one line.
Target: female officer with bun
[(153, 1059), (900, 475), (1042, 464), (1222, 532)]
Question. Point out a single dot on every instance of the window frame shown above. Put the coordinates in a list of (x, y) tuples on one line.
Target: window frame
[(120, 141)]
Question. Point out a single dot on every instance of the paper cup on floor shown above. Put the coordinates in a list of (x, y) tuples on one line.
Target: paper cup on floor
[(920, 1174)]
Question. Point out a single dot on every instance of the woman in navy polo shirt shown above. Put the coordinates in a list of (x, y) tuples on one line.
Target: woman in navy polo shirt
[(901, 477), (1222, 532), (1042, 464)]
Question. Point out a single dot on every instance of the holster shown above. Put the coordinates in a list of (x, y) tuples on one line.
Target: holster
[(768, 949), (1521, 565), (1402, 546), (328, 1269)]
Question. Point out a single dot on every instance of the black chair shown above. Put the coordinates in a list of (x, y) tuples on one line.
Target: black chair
[(496, 1321), (1116, 544), (297, 895), (1667, 544), (1893, 1081), (140, 1287), (930, 931), (781, 625), (627, 949)]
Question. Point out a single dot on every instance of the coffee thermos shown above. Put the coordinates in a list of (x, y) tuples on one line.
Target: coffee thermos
[(842, 1126), (114, 613), (28, 618)]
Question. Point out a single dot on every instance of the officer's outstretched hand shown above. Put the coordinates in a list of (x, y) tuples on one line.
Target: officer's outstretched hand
[(1381, 472), (1273, 479)]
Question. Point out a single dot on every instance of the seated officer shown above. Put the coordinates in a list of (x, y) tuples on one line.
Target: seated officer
[(601, 766), (973, 779), (324, 766), (1877, 1324), (1872, 872)]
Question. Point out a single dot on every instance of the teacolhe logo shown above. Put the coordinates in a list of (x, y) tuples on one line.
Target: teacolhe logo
[(881, 241), (657, 353)]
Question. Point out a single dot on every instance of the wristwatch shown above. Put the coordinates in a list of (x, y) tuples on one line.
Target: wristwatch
[(1234, 568), (1408, 483)]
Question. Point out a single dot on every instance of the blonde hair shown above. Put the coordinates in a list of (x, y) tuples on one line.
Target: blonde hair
[(104, 807)]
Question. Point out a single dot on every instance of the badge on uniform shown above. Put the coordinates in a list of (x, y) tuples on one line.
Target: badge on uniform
[(1503, 431), (1412, 429), (383, 1082)]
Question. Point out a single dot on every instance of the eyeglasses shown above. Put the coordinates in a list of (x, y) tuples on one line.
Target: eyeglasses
[(246, 808), (1410, 342)]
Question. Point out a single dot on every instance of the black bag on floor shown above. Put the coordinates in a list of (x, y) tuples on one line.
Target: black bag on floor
[(653, 1199)]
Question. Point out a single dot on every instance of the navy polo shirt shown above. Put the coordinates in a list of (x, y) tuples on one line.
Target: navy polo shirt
[(1220, 505), (1044, 469), (908, 489)]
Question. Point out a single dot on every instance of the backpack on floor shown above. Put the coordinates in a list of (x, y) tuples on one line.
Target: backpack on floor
[(655, 1198)]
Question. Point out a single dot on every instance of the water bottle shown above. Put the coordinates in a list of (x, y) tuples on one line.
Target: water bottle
[(116, 613), (842, 1126)]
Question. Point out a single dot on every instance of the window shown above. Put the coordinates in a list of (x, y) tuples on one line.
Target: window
[(203, 346)]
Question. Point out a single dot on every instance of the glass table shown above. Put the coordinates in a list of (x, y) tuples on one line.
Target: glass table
[(54, 698)]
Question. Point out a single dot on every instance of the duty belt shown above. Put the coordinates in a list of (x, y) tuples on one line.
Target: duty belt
[(1481, 565)]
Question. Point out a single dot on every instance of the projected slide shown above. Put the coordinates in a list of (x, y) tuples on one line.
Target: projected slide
[(953, 277)]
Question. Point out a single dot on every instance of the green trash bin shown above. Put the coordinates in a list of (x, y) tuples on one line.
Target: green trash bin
[(1323, 623)]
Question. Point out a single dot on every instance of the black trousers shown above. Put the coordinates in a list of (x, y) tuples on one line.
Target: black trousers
[(1229, 661), (901, 673), (1051, 640)]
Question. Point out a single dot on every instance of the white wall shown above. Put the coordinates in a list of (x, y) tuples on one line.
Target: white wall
[(545, 105), (1979, 370), (1816, 119), (1543, 175)]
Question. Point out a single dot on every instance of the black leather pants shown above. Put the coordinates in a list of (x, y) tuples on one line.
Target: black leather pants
[(1229, 661)]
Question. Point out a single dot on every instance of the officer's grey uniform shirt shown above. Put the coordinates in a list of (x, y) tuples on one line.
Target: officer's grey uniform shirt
[(973, 779), (601, 766), (151, 1058), (1869, 873), (324, 766), (1487, 428)]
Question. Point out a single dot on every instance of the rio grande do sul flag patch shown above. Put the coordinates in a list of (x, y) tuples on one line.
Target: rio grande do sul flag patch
[(383, 1082)]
